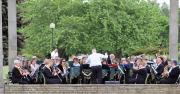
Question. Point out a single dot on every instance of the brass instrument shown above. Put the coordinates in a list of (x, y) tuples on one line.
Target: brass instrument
[(20, 70), (23, 72), (165, 73)]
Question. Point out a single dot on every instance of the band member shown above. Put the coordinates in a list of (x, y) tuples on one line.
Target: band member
[(135, 68), (165, 61), (19, 75), (141, 73), (76, 62), (57, 63), (95, 63), (64, 70), (54, 54), (106, 71), (159, 68), (171, 76), (111, 59), (52, 75), (85, 71), (126, 68), (34, 66)]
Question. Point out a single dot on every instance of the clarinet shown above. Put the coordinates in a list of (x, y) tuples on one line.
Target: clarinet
[(55, 70), (157, 77), (154, 70), (121, 70)]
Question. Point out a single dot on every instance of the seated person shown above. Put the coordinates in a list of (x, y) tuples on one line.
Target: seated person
[(141, 73), (76, 62), (85, 71), (159, 68), (135, 68), (105, 71), (33, 67), (52, 76), (171, 76), (63, 66), (126, 68), (58, 63), (70, 61), (75, 71), (19, 75)]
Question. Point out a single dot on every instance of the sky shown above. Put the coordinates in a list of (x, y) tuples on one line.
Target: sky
[(162, 1), (167, 1)]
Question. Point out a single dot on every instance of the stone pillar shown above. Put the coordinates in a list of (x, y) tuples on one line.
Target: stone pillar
[(173, 30), (12, 33), (1, 47)]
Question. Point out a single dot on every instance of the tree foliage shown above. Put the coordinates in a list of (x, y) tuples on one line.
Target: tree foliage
[(115, 26)]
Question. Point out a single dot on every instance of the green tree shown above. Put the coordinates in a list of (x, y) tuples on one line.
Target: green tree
[(116, 26)]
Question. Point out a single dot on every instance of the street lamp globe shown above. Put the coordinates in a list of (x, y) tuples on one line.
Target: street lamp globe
[(52, 25)]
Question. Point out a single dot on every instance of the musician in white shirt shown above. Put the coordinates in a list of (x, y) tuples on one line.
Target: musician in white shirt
[(95, 60), (54, 54)]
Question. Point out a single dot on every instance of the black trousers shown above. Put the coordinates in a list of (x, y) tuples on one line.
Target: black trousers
[(96, 77)]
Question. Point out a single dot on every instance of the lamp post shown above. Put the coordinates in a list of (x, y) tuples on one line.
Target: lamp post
[(52, 27)]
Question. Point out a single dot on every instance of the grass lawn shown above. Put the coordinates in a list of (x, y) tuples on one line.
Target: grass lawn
[(5, 71)]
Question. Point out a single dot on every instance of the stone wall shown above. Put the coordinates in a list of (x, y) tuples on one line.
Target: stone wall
[(92, 89)]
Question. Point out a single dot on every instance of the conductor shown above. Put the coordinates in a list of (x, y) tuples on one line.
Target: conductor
[(94, 61)]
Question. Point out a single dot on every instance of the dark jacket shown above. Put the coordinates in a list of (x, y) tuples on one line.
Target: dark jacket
[(141, 76), (16, 75), (60, 67), (173, 76), (18, 78), (126, 69), (50, 78), (160, 70)]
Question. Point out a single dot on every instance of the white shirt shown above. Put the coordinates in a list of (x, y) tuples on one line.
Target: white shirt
[(95, 59), (65, 72), (76, 64), (33, 69), (54, 54)]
